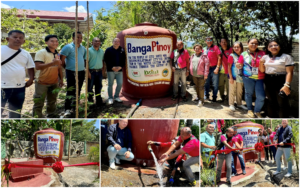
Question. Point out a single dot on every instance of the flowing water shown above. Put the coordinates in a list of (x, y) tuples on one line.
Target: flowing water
[(159, 170)]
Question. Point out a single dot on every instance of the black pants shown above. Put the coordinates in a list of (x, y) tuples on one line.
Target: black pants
[(71, 88), (278, 107), (267, 152)]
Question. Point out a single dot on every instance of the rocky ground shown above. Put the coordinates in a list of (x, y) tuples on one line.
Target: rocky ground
[(185, 109), (85, 176), (121, 177), (264, 177)]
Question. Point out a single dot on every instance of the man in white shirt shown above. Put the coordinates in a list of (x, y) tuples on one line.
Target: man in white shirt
[(13, 73)]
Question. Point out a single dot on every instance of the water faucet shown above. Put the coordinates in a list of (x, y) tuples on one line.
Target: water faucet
[(149, 148)]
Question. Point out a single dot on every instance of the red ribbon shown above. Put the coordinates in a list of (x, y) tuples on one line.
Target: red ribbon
[(258, 147), (57, 166)]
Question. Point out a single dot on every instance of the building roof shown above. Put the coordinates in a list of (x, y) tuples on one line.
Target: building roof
[(54, 15)]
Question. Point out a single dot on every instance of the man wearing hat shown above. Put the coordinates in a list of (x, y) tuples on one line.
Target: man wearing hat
[(214, 55)]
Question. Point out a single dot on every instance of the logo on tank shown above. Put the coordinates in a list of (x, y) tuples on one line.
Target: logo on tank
[(151, 73), (136, 73), (165, 72), (153, 47)]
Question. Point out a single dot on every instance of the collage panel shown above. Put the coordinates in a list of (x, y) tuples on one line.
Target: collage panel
[(150, 152), (50, 153), (249, 153)]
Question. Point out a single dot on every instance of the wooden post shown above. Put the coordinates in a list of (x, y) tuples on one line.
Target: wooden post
[(69, 153), (87, 60), (76, 59)]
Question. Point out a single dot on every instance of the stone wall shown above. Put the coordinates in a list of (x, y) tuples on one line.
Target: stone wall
[(18, 149)]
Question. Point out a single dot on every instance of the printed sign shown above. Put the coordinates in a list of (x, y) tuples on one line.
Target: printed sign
[(249, 134), (48, 145), (148, 59)]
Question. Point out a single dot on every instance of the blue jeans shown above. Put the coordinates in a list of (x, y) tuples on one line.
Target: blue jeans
[(215, 81), (273, 149), (111, 76), (287, 154), (252, 85), (113, 153), (15, 98), (96, 80), (70, 101), (241, 158)]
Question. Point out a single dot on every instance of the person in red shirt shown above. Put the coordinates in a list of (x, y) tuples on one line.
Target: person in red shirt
[(179, 63), (227, 141), (214, 55), (271, 138), (191, 146), (223, 78), (240, 140)]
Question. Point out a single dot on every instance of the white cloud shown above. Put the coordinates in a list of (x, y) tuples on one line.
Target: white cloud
[(5, 6), (72, 9)]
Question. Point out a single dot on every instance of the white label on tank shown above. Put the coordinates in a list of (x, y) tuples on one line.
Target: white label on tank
[(249, 135), (148, 59), (48, 144)]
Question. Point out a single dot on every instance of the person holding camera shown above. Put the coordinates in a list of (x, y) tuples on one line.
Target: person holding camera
[(278, 68), (235, 78)]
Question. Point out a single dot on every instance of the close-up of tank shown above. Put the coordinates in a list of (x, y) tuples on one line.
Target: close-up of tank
[(148, 152), (50, 153), (249, 153)]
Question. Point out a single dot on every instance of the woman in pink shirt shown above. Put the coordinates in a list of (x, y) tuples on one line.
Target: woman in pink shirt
[(253, 77), (199, 69), (271, 138)]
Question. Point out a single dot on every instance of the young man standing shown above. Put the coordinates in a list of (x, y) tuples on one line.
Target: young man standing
[(179, 63), (114, 59), (48, 77), (14, 61), (214, 55), (68, 62), (96, 71)]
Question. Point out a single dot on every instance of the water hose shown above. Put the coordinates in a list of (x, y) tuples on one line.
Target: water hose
[(149, 148), (134, 108)]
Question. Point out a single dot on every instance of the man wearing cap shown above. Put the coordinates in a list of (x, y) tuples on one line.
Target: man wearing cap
[(179, 63), (239, 139), (214, 55)]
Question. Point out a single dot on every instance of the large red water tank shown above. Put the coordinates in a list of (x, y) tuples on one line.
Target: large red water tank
[(249, 131), (147, 73), (155, 130), (48, 145)]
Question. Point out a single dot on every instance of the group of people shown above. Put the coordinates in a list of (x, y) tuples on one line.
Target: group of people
[(49, 64), (232, 140), (232, 69), (120, 148)]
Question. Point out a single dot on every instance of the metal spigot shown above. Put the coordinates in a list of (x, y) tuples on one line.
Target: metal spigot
[(149, 148)]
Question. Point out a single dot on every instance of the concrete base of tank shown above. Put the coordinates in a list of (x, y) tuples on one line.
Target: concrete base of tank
[(156, 102)]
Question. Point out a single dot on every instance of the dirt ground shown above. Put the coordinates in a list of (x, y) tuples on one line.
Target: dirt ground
[(188, 109), (125, 178)]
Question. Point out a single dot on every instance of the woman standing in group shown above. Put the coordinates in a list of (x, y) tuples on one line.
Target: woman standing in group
[(278, 68), (235, 79), (252, 77), (199, 69)]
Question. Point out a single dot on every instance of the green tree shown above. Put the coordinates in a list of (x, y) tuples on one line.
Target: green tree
[(63, 32), (34, 29)]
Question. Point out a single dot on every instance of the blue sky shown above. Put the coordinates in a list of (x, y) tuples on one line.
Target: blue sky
[(97, 124), (66, 6)]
